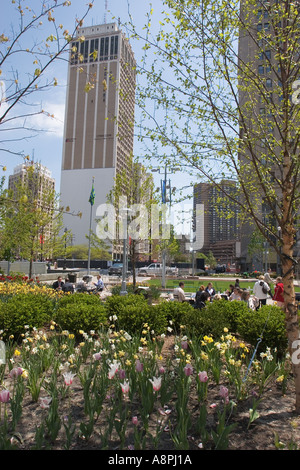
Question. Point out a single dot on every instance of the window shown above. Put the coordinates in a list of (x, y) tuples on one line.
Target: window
[(268, 54), (269, 83), (260, 69)]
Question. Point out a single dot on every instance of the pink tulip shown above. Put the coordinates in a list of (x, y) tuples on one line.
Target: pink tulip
[(97, 356), (184, 344), (135, 421), (68, 376), (15, 372), (156, 382), (223, 391), (188, 370), (203, 376), (113, 369), (121, 374), (4, 396), (162, 370), (45, 402), (125, 387), (139, 366)]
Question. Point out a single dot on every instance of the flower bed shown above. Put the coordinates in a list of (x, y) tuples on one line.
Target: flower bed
[(179, 381), (112, 390)]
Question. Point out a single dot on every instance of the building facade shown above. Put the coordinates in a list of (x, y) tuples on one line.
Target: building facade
[(40, 189), (99, 117), (221, 221)]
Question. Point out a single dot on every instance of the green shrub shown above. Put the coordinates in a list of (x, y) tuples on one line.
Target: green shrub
[(175, 312), (268, 321), (115, 290), (132, 312), (24, 310), (210, 320), (230, 311), (80, 311)]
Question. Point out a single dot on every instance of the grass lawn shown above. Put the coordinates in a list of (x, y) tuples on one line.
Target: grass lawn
[(220, 284), (193, 285)]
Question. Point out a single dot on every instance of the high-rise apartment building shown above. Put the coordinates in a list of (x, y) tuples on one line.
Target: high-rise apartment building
[(221, 221), (40, 187), (99, 120), (41, 181)]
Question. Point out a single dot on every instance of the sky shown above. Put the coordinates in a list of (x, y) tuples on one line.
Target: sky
[(45, 145)]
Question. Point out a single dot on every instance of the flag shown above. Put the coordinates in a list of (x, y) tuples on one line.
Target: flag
[(92, 196)]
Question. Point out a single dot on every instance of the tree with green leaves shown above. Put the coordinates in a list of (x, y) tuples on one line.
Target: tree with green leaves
[(25, 60), (31, 221), (133, 188), (224, 83)]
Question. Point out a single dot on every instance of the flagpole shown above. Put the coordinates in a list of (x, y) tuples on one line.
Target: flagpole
[(90, 230)]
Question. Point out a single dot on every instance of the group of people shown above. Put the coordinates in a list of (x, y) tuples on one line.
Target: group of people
[(83, 286), (261, 291)]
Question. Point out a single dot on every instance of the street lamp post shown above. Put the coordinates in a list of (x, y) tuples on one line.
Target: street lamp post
[(278, 252), (125, 212), (164, 188), (65, 254)]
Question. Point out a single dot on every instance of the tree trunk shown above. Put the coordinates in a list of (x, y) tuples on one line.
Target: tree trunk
[(291, 309)]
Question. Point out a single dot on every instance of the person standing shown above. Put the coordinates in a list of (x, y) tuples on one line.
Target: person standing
[(278, 294), (261, 290)]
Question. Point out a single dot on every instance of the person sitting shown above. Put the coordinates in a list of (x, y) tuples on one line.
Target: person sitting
[(198, 293), (58, 285), (178, 293), (99, 284), (84, 285), (209, 288), (236, 294), (200, 302), (68, 286)]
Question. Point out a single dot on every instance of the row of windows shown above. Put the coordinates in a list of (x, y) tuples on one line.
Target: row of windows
[(95, 50)]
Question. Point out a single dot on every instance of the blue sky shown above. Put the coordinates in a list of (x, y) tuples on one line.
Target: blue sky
[(45, 146)]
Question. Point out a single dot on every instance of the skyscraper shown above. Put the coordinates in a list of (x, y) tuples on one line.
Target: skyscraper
[(221, 226), (99, 117)]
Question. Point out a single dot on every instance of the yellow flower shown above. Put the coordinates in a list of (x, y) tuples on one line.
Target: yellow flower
[(24, 374), (280, 379), (128, 362), (71, 336), (121, 353), (17, 352), (225, 330)]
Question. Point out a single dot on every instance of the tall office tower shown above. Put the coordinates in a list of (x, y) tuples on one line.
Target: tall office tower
[(221, 226), (99, 121)]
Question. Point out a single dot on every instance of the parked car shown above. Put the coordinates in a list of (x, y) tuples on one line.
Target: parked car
[(116, 269), (156, 269)]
